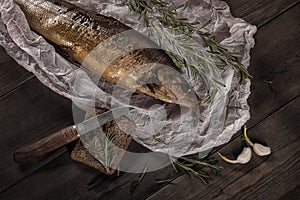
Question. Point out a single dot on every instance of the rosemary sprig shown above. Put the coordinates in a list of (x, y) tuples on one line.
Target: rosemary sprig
[(102, 148), (206, 63), (223, 53), (187, 168), (136, 183), (192, 165), (210, 163), (157, 139), (168, 181), (189, 54)]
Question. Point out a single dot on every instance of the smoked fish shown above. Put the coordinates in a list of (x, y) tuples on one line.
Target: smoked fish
[(91, 40)]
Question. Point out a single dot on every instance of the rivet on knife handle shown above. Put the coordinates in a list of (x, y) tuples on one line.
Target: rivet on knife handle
[(40, 148)]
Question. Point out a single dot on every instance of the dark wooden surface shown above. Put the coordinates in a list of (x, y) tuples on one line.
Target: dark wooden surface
[(29, 110)]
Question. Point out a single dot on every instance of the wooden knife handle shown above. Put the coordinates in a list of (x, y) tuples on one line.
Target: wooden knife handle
[(43, 146)]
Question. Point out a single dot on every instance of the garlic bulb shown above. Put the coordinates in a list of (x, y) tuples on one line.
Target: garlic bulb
[(243, 158), (259, 149)]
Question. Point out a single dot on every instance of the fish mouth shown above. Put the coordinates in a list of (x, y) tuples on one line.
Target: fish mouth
[(168, 95), (161, 82)]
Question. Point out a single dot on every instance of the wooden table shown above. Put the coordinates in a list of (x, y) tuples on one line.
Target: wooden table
[(29, 110)]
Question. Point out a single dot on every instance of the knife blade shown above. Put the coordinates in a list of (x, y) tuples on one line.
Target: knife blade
[(64, 136), (99, 120)]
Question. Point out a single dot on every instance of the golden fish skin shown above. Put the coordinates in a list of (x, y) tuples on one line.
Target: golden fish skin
[(86, 38)]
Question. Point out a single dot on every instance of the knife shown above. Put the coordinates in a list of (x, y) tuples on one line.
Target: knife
[(58, 139)]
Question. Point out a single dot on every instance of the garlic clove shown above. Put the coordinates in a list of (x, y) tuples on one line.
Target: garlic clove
[(245, 156), (261, 150)]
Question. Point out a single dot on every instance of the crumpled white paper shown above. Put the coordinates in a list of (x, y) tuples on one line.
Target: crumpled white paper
[(219, 120)]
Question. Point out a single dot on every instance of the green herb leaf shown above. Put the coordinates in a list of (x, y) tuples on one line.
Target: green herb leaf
[(205, 63)]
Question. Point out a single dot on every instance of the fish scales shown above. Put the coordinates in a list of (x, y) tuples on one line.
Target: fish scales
[(89, 39)]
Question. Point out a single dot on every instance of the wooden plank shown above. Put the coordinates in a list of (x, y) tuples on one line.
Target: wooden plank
[(93, 185), (4, 57), (12, 75), (31, 112), (275, 65), (292, 193), (263, 60), (62, 179), (263, 100), (264, 178), (259, 12)]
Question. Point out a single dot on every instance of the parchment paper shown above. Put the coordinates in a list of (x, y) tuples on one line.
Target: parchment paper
[(219, 120)]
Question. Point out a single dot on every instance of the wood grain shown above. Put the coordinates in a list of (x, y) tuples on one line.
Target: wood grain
[(264, 178), (259, 12), (4, 57), (12, 75), (31, 112), (275, 64), (263, 101), (62, 179)]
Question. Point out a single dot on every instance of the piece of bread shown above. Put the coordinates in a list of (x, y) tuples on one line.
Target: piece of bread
[(123, 129)]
